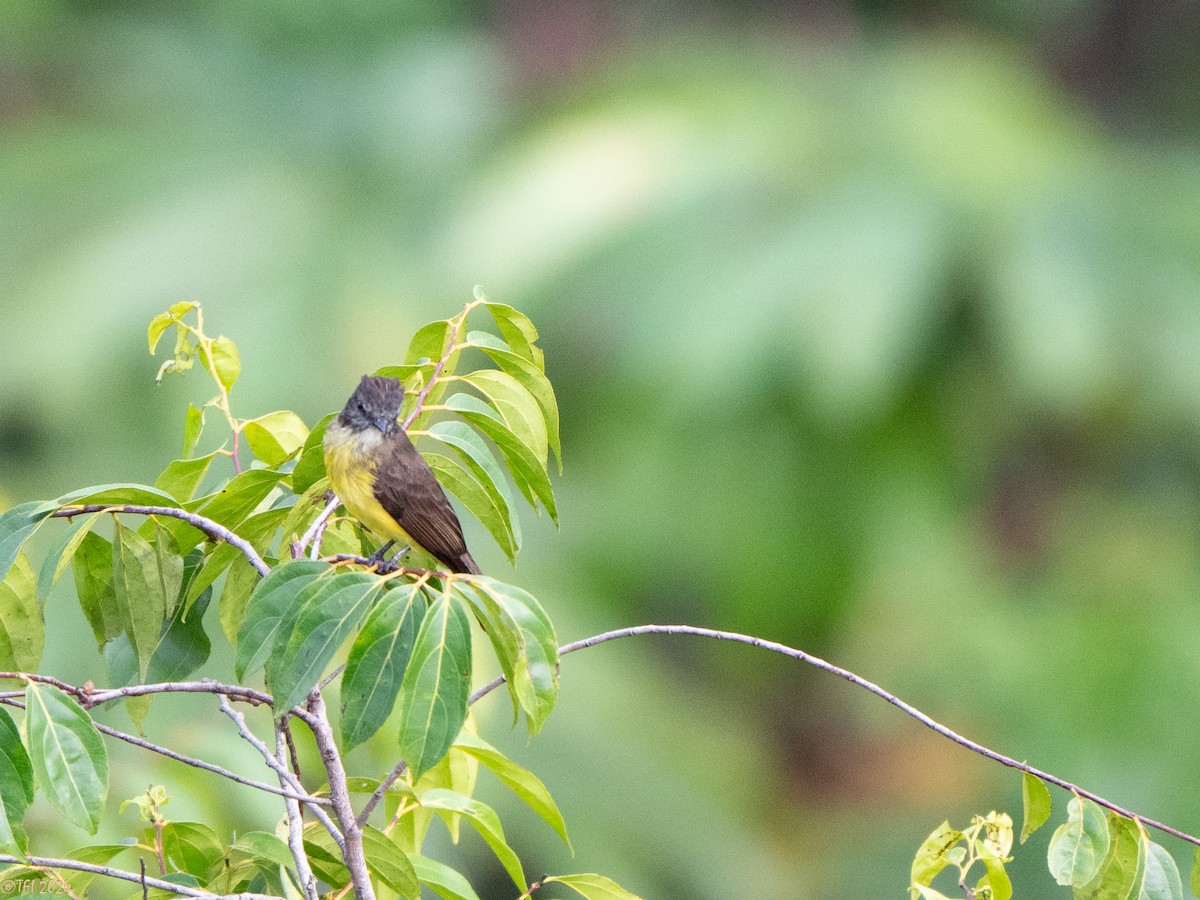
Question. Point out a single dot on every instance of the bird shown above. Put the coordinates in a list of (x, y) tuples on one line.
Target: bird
[(385, 483)]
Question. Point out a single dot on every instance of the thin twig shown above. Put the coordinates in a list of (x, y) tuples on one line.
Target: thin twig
[(316, 529), (97, 696), (212, 529), (308, 883), (461, 319), (352, 850), (48, 862), (209, 767), (875, 689), (286, 779), (380, 790)]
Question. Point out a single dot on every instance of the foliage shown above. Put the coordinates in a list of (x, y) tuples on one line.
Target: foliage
[(295, 589), (1099, 855)]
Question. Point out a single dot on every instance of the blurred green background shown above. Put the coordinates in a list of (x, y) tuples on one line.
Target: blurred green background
[(875, 329)]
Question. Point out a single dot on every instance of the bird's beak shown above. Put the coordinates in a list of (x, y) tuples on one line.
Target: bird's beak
[(385, 424)]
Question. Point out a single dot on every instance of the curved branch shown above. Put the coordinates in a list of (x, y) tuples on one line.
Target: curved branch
[(861, 682), (213, 530), (47, 862)]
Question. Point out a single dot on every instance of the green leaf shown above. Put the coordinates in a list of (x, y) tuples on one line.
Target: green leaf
[(436, 685), (518, 331), (273, 438), (222, 361), (310, 467), (142, 592), (484, 820), (16, 785), (68, 757), (192, 847), (268, 604), (324, 856), (1036, 801), (193, 425), (95, 589), (442, 879), (1119, 869), (996, 879), (1159, 878), (22, 632), (97, 855), (376, 663), (475, 497), (234, 502), (262, 845), (529, 474), (183, 647), (521, 781), (1079, 845), (182, 477), (530, 376), (389, 863), (163, 321), (17, 524), (326, 613), (60, 556), (933, 856), (477, 459), (1195, 878), (117, 495), (534, 677), (517, 408), (429, 343), (259, 529), (593, 887)]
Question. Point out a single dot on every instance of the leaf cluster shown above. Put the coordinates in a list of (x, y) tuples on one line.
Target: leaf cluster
[(295, 590), (1098, 854)]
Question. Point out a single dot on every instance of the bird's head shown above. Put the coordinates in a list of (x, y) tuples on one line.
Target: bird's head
[(375, 403)]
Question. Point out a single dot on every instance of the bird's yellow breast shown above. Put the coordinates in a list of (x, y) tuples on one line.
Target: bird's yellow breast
[(350, 462)]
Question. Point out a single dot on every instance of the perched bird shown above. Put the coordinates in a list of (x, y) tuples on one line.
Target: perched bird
[(385, 483)]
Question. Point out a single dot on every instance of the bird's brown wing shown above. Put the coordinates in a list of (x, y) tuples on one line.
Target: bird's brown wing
[(407, 488)]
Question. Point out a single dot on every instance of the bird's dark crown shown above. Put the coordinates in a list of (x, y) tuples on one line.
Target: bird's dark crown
[(375, 403)]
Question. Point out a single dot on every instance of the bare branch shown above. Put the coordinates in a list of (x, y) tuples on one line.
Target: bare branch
[(295, 825), (47, 862), (316, 529), (286, 778), (352, 851), (209, 767), (380, 790), (861, 682), (210, 528)]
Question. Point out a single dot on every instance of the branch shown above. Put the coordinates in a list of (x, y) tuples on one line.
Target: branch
[(95, 696), (316, 529), (210, 528), (380, 790), (286, 778), (295, 826), (47, 862), (861, 682), (352, 851), (209, 767)]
